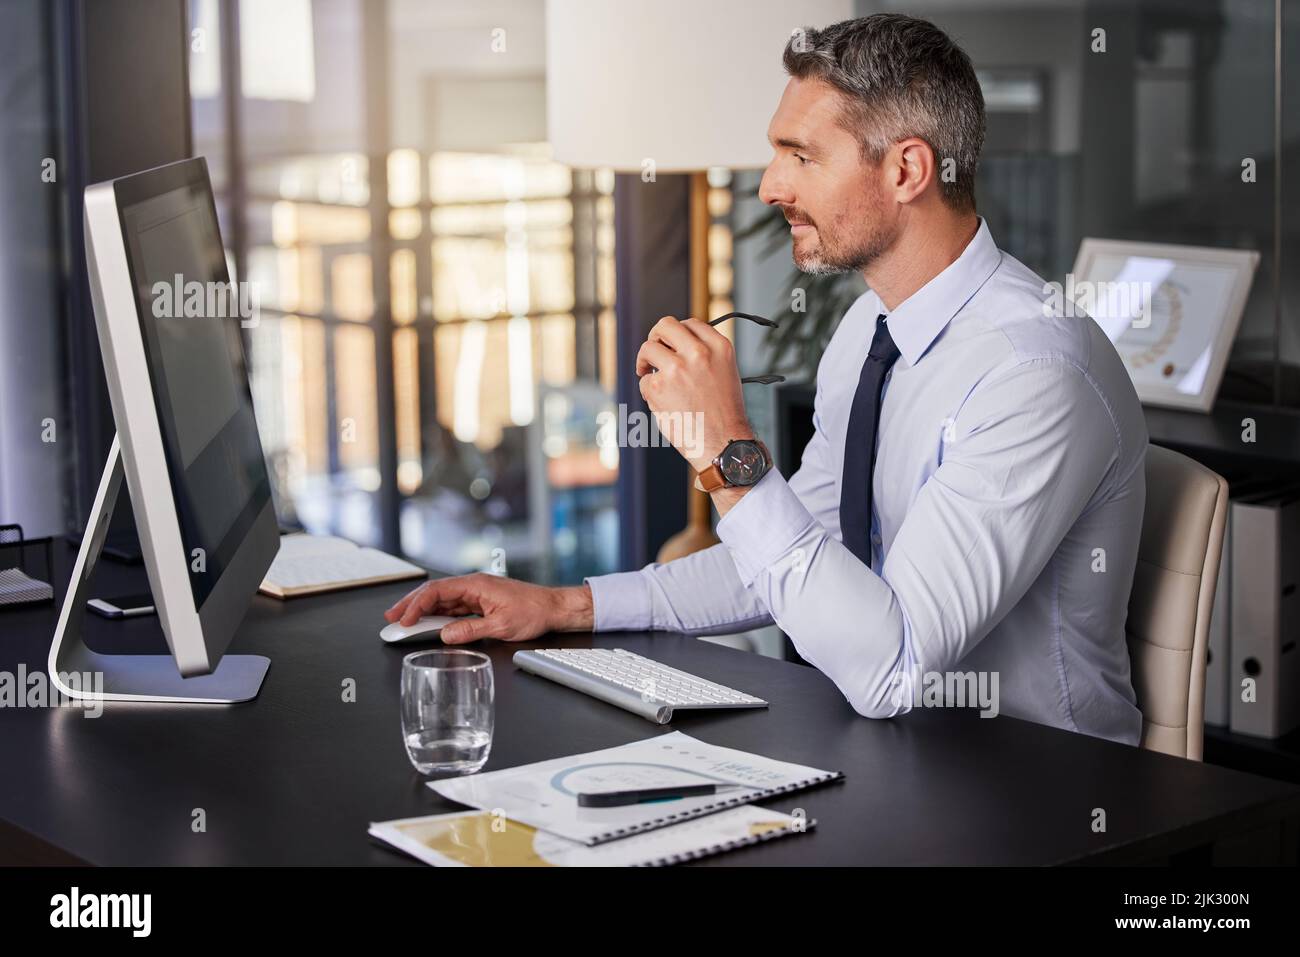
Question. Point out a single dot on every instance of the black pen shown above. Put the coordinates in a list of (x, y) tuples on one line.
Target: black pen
[(648, 795)]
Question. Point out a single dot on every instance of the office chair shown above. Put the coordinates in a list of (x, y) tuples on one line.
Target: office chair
[(1173, 592)]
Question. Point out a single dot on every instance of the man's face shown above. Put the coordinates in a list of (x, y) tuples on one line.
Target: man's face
[(829, 193)]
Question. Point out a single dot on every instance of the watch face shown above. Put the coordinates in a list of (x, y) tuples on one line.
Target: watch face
[(742, 462)]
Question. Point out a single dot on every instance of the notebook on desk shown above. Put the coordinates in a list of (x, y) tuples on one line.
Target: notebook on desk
[(485, 839), (544, 795), (312, 564)]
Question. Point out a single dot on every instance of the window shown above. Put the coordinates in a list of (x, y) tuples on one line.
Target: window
[(437, 327)]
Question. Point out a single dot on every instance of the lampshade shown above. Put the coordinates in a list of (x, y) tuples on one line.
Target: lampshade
[(688, 84)]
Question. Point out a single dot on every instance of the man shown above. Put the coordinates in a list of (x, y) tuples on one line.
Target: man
[(973, 494)]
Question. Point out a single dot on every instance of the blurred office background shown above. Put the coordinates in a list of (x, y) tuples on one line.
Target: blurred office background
[(446, 310), (438, 325)]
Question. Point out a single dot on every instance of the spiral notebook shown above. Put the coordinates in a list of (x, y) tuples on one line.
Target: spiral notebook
[(484, 839), (544, 795)]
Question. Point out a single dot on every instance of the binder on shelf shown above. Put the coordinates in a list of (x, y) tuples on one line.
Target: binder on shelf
[(1264, 682), (1218, 654)]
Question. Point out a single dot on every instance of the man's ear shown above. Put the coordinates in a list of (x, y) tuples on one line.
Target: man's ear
[(912, 169)]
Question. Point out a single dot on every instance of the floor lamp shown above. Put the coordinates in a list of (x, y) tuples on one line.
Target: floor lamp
[(676, 86)]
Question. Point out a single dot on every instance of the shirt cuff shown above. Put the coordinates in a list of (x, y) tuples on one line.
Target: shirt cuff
[(621, 602), (763, 527)]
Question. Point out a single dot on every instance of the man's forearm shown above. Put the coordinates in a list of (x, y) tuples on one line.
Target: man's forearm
[(574, 609), (698, 594)]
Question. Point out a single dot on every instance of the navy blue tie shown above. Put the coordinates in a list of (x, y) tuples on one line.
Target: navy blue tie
[(860, 444)]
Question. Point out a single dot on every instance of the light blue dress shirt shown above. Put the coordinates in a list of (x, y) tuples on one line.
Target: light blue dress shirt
[(1008, 496)]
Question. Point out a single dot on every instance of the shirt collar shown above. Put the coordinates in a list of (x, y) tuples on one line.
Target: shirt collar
[(918, 320)]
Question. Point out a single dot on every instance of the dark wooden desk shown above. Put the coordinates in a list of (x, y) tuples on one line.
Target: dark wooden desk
[(295, 776)]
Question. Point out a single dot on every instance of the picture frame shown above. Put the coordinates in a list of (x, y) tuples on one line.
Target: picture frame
[(1171, 311)]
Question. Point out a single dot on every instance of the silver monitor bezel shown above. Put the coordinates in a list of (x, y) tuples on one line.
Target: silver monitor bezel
[(197, 637)]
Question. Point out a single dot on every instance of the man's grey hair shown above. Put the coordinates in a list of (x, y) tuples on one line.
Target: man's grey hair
[(900, 76)]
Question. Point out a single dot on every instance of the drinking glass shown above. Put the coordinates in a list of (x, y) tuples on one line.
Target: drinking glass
[(447, 710)]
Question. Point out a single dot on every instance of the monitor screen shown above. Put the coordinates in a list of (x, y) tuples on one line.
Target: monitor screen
[(190, 319)]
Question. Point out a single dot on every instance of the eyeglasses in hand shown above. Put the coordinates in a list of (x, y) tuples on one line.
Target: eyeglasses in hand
[(771, 378)]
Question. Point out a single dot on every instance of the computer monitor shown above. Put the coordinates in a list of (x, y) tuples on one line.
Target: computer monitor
[(169, 330)]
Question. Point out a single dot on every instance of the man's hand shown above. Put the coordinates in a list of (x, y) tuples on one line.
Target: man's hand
[(690, 381), (511, 610)]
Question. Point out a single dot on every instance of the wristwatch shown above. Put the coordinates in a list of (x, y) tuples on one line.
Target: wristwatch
[(740, 464)]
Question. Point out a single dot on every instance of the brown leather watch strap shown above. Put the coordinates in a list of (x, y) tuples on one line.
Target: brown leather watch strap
[(710, 479)]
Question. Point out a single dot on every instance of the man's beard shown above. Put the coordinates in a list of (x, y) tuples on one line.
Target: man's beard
[(827, 260)]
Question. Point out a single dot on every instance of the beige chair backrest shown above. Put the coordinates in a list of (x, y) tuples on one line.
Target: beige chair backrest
[(1173, 592)]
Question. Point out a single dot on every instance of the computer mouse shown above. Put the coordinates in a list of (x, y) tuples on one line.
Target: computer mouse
[(426, 629)]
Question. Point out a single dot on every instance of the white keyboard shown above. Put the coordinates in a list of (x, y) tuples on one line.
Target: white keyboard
[(632, 682)]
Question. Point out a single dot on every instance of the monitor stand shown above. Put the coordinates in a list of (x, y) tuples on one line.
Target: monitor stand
[(134, 677)]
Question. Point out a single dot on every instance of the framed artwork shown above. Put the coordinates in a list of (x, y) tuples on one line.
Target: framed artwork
[(1171, 311)]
